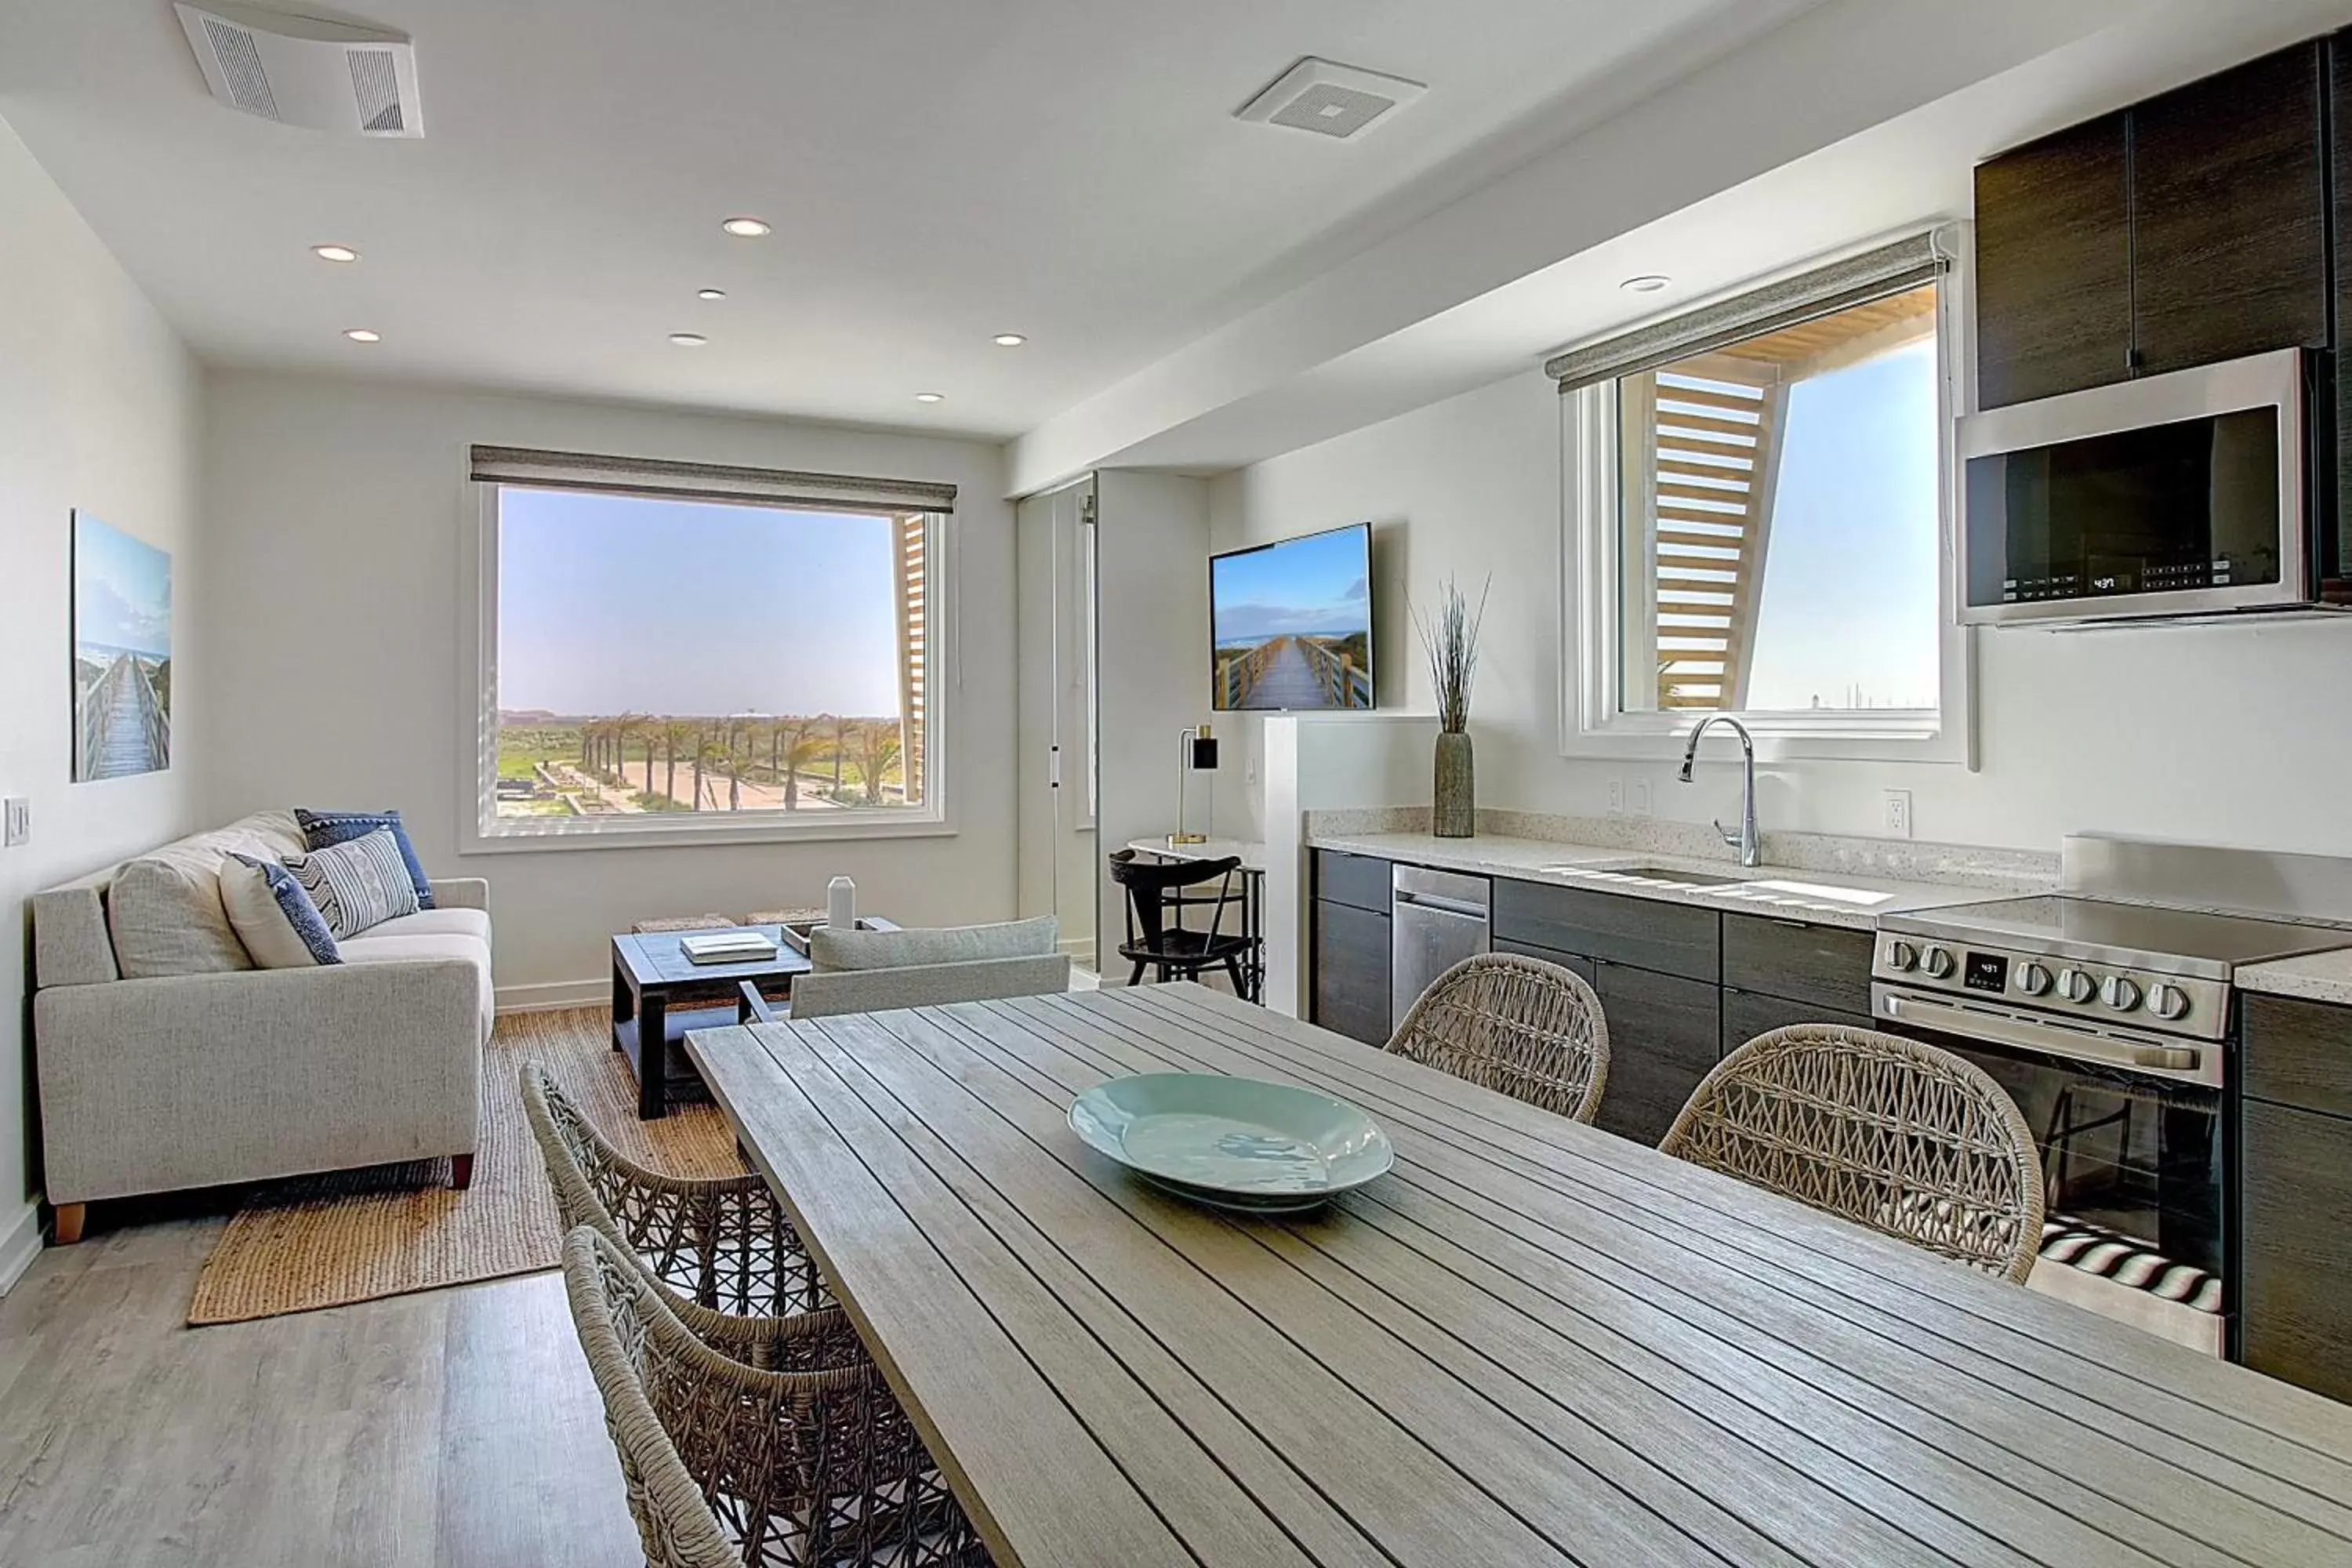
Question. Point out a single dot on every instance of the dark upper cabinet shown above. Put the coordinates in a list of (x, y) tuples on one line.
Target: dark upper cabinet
[(2188, 230), (2053, 265), (2230, 216)]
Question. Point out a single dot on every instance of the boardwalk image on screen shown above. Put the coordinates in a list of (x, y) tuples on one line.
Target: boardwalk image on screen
[(1293, 623)]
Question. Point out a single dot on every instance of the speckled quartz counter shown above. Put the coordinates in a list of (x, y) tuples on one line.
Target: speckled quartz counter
[(1840, 898), (2315, 977)]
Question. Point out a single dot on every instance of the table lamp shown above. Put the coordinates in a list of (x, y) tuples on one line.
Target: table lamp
[(1195, 748)]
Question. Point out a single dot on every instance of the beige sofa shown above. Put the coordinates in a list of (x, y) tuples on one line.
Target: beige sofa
[(239, 1074)]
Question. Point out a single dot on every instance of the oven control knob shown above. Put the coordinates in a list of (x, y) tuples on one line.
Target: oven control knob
[(2119, 993), (1902, 957), (2033, 980), (2169, 1003), (1939, 964), (2075, 986)]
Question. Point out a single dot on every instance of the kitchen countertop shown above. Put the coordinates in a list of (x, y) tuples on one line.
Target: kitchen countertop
[(2314, 977), (1542, 859)]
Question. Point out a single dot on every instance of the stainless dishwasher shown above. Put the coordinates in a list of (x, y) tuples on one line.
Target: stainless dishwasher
[(1439, 919)]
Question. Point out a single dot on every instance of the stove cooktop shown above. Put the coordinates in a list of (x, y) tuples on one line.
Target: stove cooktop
[(2188, 941)]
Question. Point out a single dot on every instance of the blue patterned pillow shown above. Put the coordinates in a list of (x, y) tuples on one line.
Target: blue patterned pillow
[(275, 918), (325, 829), (358, 884)]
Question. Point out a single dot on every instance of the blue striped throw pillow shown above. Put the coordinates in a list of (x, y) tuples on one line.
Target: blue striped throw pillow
[(358, 884), (325, 829)]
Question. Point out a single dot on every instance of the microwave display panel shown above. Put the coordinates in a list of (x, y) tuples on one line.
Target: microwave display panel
[(2184, 506)]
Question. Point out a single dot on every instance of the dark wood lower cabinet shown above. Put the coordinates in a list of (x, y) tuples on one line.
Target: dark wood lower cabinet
[(2296, 1218), (1351, 971), (1746, 1014), (1583, 968), (1662, 1038)]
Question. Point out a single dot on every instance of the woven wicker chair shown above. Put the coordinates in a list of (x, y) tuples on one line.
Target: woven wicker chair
[(1905, 1139), (719, 1245), (726, 1466), (1518, 1025)]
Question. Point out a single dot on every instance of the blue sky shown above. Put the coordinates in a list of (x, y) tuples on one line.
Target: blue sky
[(122, 590), (1849, 578), (615, 604), (1312, 584)]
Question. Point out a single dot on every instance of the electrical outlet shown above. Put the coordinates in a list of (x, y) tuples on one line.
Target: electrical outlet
[(1898, 814), (1616, 797), (1641, 797), (19, 811)]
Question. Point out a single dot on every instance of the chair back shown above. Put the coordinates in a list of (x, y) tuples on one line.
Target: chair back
[(1518, 1025), (829, 995), (728, 1465), (1149, 883), (1897, 1135)]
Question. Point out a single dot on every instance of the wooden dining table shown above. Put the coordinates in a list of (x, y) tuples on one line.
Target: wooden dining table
[(1530, 1344)]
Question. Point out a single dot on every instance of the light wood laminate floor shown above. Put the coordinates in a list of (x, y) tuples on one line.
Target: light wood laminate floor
[(449, 1429)]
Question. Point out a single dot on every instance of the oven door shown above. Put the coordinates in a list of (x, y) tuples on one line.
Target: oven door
[(2130, 1129)]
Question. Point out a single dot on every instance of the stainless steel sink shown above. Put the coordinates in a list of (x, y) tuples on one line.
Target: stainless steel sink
[(1668, 875)]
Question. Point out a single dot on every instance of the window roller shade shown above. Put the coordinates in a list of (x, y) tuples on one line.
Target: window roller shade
[(707, 481), (1874, 273)]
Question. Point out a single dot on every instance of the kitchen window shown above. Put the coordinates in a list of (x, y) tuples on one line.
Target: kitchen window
[(1760, 517), (670, 652)]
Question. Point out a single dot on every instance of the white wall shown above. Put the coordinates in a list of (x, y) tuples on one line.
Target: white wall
[(2228, 734), (334, 513), (98, 410)]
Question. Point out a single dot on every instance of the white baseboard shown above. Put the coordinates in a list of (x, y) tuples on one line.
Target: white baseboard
[(19, 1247), (552, 995)]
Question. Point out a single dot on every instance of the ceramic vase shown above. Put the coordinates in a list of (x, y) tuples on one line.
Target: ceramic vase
[(1455, 812)]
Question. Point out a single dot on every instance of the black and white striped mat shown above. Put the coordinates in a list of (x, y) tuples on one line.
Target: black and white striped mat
[(2110, 1255)]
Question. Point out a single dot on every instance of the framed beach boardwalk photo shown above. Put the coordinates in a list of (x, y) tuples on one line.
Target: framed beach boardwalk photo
[(121, 653)]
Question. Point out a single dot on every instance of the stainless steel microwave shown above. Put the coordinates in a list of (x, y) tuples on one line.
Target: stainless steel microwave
[(2186, 494)]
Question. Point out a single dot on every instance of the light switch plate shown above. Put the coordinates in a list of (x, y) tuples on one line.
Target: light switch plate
[(19, 811), (1898, 814), (1641, 797), (1616, 797)]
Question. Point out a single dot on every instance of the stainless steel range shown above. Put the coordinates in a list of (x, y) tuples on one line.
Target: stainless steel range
[(2109, 1014)]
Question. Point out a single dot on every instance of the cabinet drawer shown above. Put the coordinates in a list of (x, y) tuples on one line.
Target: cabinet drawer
[(1357, 879), (1581, 967), (1746, 1014), (2297, 1225), (1828, 965), (2299, 1053), (1663, 1034), (1669, 939), (1351, 971)]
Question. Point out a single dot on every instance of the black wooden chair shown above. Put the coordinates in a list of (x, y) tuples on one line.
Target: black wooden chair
[(1157, 937)]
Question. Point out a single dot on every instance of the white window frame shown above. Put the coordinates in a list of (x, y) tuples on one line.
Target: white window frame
[(482, 831), (1594, 721)]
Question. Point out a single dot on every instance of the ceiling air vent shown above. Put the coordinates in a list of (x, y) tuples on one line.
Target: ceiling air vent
[(1328, 98), (307, 70)]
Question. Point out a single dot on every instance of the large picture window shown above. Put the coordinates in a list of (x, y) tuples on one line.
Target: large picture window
[(1761, 518), (664, 655)]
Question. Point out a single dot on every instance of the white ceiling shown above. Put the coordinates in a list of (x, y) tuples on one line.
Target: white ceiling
[(938, 171)]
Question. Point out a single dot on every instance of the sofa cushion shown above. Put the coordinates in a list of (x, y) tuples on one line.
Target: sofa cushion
[(474, 923), (378, 947), (275, 918), (165, 915), (357, 884), (325, 829), (831, 950)]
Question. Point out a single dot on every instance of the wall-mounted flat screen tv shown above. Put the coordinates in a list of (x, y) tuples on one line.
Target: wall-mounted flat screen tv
[(1291, 624)]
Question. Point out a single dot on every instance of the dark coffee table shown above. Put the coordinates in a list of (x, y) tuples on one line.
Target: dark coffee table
[(659, 991)]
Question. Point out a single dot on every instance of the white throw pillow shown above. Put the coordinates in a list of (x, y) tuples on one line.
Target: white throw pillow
[(279, 925), (360, 883)]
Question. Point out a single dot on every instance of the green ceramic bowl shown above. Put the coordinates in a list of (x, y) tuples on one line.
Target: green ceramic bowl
[(1232, 1143)]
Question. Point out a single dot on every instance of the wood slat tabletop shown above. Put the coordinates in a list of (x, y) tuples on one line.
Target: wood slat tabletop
[(1532, 1343)]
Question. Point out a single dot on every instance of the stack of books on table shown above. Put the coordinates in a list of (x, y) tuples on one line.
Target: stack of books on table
[(728, 946)]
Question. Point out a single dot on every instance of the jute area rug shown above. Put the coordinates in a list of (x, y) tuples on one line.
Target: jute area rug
[(356, 1236)]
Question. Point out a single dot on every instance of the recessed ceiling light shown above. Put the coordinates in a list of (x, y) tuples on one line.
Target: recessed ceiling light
[(364, 334), (334, 253), (1009, 340), (746, 227), (930, 397), (689, 340), (1648, 283), (711, 293)]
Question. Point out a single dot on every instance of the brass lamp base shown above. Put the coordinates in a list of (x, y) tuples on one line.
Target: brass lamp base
[(1188, 838)]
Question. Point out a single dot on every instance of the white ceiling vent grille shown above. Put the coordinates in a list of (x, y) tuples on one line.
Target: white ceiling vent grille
[(1328, 98), (306, 70)]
